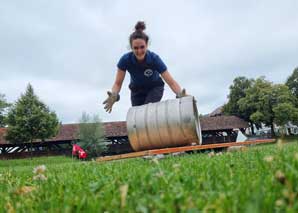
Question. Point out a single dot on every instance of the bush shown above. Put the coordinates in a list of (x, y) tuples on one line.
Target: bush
[(91, 135)]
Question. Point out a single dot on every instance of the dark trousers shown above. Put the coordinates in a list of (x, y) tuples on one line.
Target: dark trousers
[(145, 96)]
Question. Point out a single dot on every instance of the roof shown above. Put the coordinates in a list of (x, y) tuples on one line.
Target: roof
[(118, 128), (222, 123), (66, 132), (115, 129), (217, 112), (111, 129), (69, 131)]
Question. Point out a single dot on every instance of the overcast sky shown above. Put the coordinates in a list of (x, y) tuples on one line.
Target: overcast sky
[(68, 50)]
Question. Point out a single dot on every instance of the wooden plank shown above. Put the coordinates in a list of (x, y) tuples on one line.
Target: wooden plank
[(208, 146), (123, 156), (181, 149)]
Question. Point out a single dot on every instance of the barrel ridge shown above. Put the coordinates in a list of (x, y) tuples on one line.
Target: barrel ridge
[(181, 122), (146, 127), (131, 130), (169, 130), (137, 132), (157, 126)]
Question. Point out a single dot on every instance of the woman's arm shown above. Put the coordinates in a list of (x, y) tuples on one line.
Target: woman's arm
[(118, 81), (171, 82)]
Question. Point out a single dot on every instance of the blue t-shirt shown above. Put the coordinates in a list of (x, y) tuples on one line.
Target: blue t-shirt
[(145, 74)]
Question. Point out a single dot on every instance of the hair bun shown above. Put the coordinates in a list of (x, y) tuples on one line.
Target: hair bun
[(140, 26)]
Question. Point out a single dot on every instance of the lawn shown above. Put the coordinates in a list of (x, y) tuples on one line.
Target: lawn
[(262, 178)]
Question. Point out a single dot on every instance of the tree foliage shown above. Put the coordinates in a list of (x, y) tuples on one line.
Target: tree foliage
[(30, 119), (270, 101), (259, 101), (3, 107), (91, 135), (292, 83), (237, 92), (284, 113)]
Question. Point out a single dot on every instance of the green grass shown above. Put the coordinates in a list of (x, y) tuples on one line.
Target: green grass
[(232, 182)]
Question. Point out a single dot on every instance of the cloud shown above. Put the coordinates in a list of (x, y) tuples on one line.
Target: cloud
[(68, 49)]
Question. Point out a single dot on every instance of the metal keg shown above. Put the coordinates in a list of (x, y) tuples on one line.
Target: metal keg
[(169, 123)]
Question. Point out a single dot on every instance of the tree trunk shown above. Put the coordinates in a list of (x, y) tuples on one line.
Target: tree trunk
[(272, 130), (252, 128), (31, 148)]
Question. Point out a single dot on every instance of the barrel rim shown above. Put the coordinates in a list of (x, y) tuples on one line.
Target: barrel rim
[(197, 120)]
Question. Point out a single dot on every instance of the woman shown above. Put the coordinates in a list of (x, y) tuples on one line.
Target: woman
[(146, 73)]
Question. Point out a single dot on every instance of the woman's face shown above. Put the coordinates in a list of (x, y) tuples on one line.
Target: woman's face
[(139, 48)]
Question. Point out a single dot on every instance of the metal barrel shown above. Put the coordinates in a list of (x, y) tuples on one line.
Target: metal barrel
[(169, 123)]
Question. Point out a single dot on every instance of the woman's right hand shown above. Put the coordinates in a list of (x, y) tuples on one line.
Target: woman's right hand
[(109, 102), (114, 95)]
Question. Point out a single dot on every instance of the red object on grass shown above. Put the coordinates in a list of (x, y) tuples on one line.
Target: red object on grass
[(82, 154), (77, 150)]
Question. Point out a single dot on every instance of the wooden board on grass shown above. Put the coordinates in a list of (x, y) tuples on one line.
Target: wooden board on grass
[(181, 149)]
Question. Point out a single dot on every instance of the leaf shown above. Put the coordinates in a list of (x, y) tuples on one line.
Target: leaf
[(25, 190), (123, 194)]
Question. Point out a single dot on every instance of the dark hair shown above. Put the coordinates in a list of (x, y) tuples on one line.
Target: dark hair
[(138, 33)]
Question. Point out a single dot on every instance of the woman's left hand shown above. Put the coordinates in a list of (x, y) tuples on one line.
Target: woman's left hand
[(181, 94)]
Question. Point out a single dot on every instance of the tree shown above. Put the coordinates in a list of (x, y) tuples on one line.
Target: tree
[(30, 119), (91, 135), (284, 113), (3, 107), (250, 102), (238, 91), (268, 100), (292, 83)]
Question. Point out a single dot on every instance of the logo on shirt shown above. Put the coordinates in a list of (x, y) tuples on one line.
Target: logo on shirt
[(148, 72)]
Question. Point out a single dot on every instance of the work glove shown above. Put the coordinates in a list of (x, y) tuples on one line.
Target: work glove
[(181, 94), (113, 97)]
